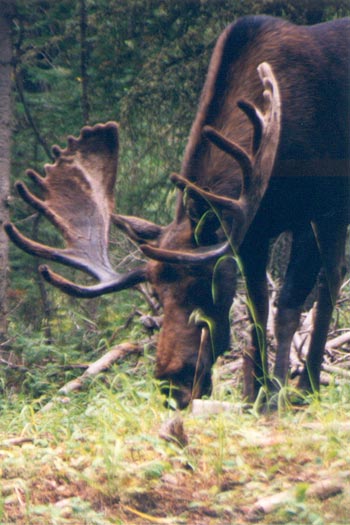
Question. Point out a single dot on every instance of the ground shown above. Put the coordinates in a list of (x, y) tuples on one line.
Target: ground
[(111, 453), (99, 459)]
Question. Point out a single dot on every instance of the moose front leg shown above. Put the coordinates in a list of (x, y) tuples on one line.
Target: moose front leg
[(331, 239), (302, 271), (255, 363)]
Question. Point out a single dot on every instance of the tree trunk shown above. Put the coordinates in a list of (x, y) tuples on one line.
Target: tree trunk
[(84, 54), (5, 136)]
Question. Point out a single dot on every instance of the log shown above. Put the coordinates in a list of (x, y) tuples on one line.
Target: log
[(325, 488), (268, 504), (207, 407)]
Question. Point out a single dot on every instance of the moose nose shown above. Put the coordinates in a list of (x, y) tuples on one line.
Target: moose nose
[(177, 396), (180, 395)]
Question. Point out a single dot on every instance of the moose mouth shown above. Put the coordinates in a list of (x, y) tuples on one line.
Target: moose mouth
[(196, 384)]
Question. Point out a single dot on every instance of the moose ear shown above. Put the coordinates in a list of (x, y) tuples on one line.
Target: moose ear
[(137, 229)]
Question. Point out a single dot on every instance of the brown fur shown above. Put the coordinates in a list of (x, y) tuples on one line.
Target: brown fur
[(309, 183)]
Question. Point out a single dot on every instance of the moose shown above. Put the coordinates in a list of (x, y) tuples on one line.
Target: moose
[(268, 152)]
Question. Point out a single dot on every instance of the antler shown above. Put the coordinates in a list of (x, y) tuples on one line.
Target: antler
[(78, 200), (256, 172)]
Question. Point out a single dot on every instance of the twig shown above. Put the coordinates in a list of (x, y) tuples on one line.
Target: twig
[(150, 299), (124, 326), (13, 366)]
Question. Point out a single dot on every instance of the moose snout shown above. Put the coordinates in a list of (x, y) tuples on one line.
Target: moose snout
[(177, 397), (179, 394)]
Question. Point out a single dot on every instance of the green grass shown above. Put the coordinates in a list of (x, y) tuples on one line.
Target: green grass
[(97, 458)]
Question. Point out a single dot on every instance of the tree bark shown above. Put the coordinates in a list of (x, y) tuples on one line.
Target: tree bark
[(5, 139)]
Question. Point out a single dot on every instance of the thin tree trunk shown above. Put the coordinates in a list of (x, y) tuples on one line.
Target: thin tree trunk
[(84, 62), (20, 91), (5, 138)]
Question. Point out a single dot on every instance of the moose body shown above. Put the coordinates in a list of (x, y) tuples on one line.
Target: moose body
[(295, 164)]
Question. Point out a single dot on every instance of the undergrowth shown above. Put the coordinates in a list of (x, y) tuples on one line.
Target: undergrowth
[(98, 457)]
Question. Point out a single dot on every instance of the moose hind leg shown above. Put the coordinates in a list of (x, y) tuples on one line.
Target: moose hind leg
[(303, 268), (331, 238)]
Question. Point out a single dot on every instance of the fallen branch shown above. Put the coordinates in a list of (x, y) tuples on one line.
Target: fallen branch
[(336, 370), (338, 341), (13, 366), (117, 353), (339, 426), (322, 490), (16, 442)]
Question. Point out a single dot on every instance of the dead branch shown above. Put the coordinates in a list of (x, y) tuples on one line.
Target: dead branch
[(13, 366), (118, 353), (336, 370), (149, 297), (338, 341), (322, 489), (317, 426), (16, 442), (124, 326)]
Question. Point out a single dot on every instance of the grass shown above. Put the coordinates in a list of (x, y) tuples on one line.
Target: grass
[(97, 458)]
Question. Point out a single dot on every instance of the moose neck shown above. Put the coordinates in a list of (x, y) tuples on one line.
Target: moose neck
[(232, 74)]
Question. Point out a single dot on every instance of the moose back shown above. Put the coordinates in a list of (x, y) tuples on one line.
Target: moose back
[(268, 152)]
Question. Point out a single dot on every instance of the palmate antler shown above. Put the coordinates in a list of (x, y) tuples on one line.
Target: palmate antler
[(256, 171), (78, 200)]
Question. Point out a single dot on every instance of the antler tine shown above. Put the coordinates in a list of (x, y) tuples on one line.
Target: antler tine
[(78, 200), (121, 282), (39, 204), (63, 256), (256, 118), (233, 149), (196, 257), (37, 179), (235, 206)]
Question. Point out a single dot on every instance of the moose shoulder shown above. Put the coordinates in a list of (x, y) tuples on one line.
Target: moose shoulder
[(268, 152)]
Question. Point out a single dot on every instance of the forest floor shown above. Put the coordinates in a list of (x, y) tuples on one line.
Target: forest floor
[(111, 453), (103, 456)]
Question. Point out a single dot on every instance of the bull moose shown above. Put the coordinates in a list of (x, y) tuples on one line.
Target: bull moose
[(268, 152)]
